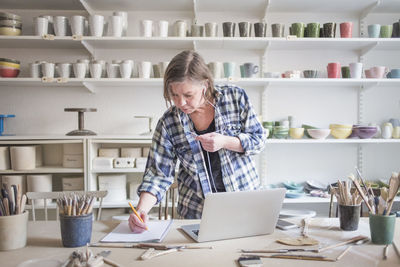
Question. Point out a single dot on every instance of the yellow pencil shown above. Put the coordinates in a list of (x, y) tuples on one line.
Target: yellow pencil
[(137, 214)]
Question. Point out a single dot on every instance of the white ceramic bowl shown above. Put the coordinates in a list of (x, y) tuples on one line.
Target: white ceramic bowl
[(319, 133)]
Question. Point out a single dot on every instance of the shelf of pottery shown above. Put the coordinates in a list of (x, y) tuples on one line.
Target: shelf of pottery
[(98, 32), (43, 165)]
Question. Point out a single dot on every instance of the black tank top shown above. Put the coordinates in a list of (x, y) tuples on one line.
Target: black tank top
[(215, 163)]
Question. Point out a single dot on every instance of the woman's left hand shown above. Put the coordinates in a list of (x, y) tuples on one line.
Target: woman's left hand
[(211, 142)]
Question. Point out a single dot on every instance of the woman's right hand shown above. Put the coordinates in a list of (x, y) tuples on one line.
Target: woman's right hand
[(136, 225)]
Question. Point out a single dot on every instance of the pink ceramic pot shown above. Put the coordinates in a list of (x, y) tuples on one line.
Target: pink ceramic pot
[(378, 72), (346, 29), (333, 70)]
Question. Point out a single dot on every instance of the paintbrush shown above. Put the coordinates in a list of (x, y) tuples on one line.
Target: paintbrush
[(360, 191)]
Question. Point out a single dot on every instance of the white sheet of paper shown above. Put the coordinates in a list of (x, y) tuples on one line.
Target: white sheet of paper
[(156, 233)]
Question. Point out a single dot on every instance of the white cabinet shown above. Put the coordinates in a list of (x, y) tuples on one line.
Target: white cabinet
[(311, 101), (133, 175)]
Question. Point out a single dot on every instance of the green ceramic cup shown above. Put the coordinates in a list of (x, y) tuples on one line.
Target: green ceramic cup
[(346, 72), (313, 30), (298, 29), (382, 228), (386, 31), (242, 71)]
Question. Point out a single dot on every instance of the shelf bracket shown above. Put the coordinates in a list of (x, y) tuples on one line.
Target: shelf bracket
[(368, 48), (87, 7), (360, 111), (363, 14), (263, 61), (369, 85), (88, 47), (90, 86), (194, 45), (360, 158), (267, 4)]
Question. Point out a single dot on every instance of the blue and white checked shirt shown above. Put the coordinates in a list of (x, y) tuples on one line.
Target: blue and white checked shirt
[(173, 140)]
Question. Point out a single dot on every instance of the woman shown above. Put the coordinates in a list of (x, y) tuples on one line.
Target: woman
[(213, 132)]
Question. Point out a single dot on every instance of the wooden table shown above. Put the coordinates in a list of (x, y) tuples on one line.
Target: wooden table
[(44, 241)]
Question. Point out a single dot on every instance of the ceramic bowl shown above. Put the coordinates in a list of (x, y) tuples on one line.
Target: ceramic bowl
[(6, 15), (306, 127), (293, 186), (319, 133), (331, 126), (365, 132), (9, 63), (296, 133), (310, 73), (10, 30), (281, 132), (11, 22), (341, 133), (8, 72)]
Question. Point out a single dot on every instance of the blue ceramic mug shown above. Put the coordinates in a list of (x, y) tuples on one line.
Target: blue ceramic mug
[(374, 30), (394, 74)]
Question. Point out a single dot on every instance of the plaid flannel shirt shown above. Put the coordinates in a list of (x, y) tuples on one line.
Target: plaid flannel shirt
[(173, 141)]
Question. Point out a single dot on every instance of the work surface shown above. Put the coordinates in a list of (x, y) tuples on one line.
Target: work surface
[(44, 241)]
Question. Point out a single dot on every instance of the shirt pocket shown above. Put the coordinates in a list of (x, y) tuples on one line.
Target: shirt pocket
[(233, 129), (185, 157)]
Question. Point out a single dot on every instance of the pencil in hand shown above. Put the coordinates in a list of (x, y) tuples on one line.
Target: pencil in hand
[(137, 214)]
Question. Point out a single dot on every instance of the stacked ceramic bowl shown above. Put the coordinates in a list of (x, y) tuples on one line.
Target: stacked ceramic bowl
[(293, 190), (9, 68), (281, 132), (10, 24), (341, 131), (364, 132)]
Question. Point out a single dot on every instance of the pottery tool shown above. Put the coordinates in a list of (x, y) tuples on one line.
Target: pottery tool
[(292, 257), (394, 184), (343, 253), (152, 253), (360, 191), (148, 245), (385, 252), (363, 183), (303, 240), (356, 239)]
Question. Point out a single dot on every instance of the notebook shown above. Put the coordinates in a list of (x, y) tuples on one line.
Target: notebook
[(237, 214), (123, 234)]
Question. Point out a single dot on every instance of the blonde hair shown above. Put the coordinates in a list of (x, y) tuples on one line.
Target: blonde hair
[(188, 65)]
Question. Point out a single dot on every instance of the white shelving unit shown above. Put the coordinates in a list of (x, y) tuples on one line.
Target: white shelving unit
[(203, 11)]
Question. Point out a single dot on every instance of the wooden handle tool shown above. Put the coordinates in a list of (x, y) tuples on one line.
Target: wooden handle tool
[(352, 240), (360, 191)]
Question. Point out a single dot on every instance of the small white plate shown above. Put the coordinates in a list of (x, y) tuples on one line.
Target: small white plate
[(297, 213), (40, 262)]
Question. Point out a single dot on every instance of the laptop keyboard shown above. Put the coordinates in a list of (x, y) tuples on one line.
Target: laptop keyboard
[(196, 232)]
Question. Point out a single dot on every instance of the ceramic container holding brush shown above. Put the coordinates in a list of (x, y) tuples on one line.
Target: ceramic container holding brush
[(76, 231), (13, 231), (349, 217), (382, 228)]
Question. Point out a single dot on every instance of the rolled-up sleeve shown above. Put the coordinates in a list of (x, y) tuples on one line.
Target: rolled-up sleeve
[(160, 167), (253, 136)]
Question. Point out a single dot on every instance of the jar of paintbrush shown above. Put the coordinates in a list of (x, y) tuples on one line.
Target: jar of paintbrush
[(76, 219)]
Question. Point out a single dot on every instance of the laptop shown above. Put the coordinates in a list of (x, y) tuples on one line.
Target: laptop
[(237, 214)]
